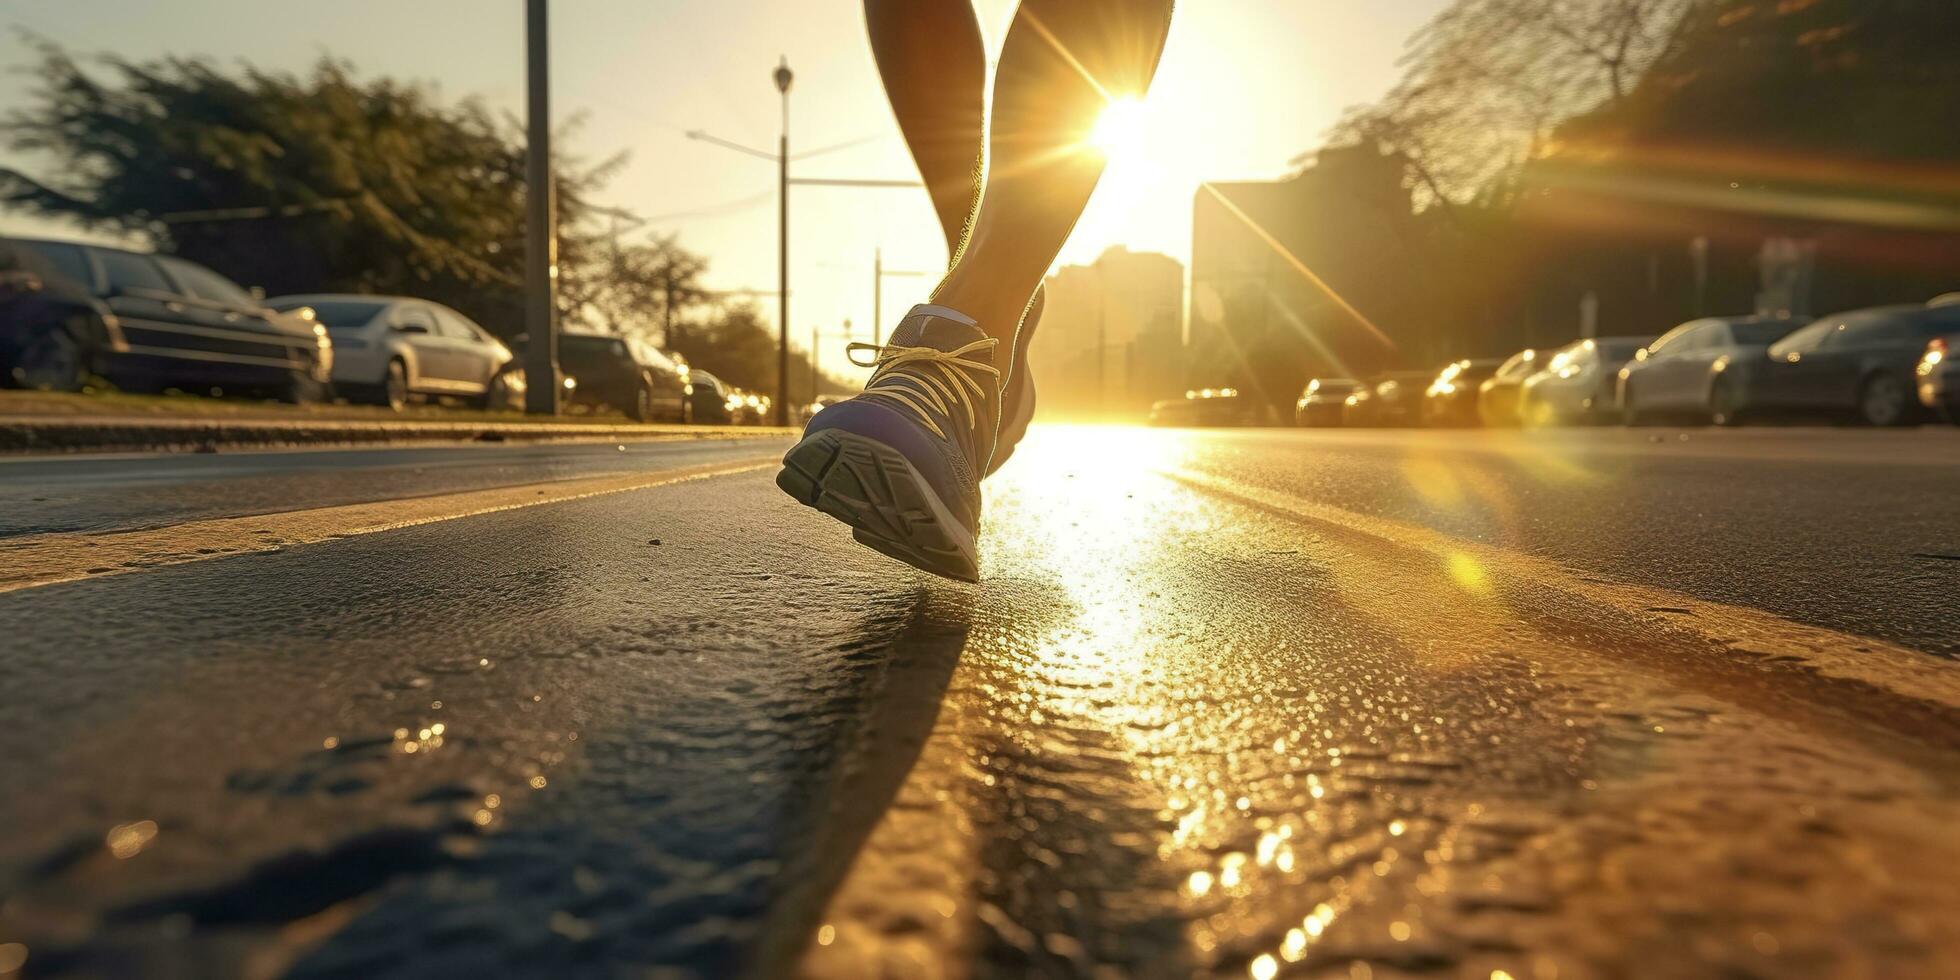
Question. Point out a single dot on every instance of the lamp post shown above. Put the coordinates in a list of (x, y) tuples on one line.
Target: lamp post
[(540, 233), (783, 78)]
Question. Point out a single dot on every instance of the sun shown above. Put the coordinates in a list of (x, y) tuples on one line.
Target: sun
[(1119, 129)]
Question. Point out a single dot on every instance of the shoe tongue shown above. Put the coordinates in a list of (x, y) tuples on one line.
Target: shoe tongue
[(939, 328)]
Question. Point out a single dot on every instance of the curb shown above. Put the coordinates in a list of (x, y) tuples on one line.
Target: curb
[(41, 434)]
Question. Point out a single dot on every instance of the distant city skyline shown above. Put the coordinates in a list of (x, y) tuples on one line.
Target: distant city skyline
[(1242, 92)]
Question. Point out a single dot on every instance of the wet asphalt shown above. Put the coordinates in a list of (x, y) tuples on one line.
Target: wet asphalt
[(1251, 703)]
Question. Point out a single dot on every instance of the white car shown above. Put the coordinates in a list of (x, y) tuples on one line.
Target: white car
[(1579, 383), (390, 348)]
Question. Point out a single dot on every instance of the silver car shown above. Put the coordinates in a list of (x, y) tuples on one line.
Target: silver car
[(388, 349), (1674, 376)]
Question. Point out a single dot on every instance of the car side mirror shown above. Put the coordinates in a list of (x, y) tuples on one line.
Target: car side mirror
[(258, 293)]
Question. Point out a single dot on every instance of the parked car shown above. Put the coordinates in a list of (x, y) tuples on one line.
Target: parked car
[(1579, 382), (1204, 407), (1451, 399), (1393, 398), (709, 397), (1938, 374), (1859, 365), (1321, 402), (748, 408), (149, 322), (1497, 396), (625, 374), (388, 349), (1674, 376)]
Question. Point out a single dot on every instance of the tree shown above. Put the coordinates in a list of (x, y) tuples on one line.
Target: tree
[(1487, 81), (632, 287), (1830, 122), (735, 344), (315, 182)]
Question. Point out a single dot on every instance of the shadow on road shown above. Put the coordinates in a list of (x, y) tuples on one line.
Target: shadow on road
[(899, 709)]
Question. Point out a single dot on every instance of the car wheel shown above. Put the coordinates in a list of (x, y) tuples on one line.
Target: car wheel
[(51, 360), (1884, 400), (1724, 406), (394, 386), (496, 395)]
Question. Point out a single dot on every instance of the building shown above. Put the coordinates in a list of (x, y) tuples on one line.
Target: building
[(1111, 337), (1304, 277)]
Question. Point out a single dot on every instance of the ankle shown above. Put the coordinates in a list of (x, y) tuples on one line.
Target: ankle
[(996, 307)]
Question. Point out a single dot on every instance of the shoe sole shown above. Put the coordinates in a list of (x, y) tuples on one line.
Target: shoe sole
[(891, 509)]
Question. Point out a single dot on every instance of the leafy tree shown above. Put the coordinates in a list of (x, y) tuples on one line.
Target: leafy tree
[(314, 182), (633, 287), (735, 344)]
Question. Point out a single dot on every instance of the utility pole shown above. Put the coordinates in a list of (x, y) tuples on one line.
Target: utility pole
[(783, 78), (540, 233)]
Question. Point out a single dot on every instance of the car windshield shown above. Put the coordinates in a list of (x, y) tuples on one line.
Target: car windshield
[(336, 314), (589, 348), (1808, 338), (68, 259), (1519, 365)]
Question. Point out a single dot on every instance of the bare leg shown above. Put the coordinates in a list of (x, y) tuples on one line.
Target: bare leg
[(1063, 62), (934, 65)]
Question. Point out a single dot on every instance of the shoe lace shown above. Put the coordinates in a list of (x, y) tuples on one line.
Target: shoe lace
[(900, 377)]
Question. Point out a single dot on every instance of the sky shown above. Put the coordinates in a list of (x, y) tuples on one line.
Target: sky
[(1245, 87)]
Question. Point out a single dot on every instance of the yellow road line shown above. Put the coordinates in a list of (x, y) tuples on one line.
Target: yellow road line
[(36, 560)]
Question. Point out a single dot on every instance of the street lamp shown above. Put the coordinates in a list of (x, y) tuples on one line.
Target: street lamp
[(783, 78)]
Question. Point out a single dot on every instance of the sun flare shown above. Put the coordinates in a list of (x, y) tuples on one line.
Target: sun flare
[(1119, 129)]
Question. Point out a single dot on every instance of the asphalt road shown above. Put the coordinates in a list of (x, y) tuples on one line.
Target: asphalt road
[(1259, 703)]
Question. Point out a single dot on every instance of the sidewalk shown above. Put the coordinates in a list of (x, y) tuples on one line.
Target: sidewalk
[(39, 422)]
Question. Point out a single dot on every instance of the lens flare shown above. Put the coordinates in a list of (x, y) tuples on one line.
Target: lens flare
[(1119, 130)]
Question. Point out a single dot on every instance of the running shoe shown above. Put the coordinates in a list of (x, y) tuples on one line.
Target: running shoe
[(901, 462)]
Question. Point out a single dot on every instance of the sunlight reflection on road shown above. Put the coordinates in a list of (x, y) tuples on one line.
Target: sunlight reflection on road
[(1196, 734)]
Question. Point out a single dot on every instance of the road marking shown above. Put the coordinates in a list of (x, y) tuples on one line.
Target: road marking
[(1768, 639), (32, 561)]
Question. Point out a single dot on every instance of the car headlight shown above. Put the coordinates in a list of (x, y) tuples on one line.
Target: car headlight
[(571, 383)]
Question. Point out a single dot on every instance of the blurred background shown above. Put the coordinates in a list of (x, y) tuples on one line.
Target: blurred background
[(1311, 190)]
